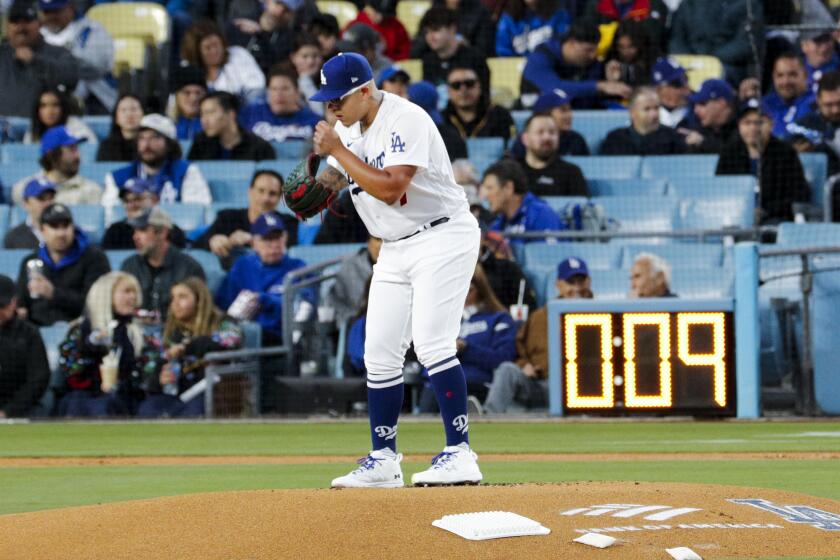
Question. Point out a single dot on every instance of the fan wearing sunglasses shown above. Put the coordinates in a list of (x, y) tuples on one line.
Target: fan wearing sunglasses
[(470, 112)]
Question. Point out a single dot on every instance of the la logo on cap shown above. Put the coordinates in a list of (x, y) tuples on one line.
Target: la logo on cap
[(60, 208), (354, 79), (271, 220), (574, 263), (323, 78)]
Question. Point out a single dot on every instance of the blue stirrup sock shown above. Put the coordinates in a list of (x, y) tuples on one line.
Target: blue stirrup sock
[(450, 386), (384, 405)]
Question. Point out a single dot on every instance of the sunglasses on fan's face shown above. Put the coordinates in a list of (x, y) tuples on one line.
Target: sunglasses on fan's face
[(469, 84)]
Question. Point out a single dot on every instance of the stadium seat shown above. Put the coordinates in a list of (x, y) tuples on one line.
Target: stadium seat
[(505, 78), (90, 218), (693, 283), (598, 256), (804, 235), (87, 151), (290, 149), (229, 191), (99, 124), (4, 219), (675, 167), (117, 256), (481, 163), (595, 125), (129, 54), (143, 20), (344, 12), (11, 173), (96, 171), (280, 165), (52, 336), (519, 118), (679, 256), (815, 166), (607, 167), (412, 66), (313, 254), (539, 279), (17, 214), (251, 334), (492, 148), (212, 268), (559, 203), (824, 326), (410, 12), (720, 213), (16, 153), (237, 170), (641, 213), (17, 127), (627, 187), (699, 68), (10, 260), (714, 187), (610, 284), (189, 217)]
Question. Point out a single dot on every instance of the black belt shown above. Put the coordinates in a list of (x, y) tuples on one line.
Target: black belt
[(430, 225)]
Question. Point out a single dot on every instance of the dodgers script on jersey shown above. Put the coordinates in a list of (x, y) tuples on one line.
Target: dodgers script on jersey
[(403, 134)]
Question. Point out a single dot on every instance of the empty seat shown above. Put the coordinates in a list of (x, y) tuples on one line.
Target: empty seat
[(229, 191), (815, 166), (4, 219), (679, 256), (212, 170), (607, 167), (90, 218), (96, 171), (610, 284), (10, 260), (519, 118), (803, 235), (640, 213), (211, 265), (313, 254), (282, 166), (14, 153), (627, 187), (713, 187), (717, 214), (598, 256), (595, 125), (290, 149), (143, 20), (505, 78), (188, 217), (117, 256), (674, 167), (491, 148), (99, 124), (697, 284)]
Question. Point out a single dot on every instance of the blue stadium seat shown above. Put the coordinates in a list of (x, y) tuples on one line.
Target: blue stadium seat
[(18, 152), (52, 336), (713, 187), (10, 260), (815, 166), (717, 214), (826, 323), (87, 151), (90, 218), (595, 125), (598, 256), (11, 173), (559, 203), (610, 284), (313, 254), (99, 124), (230, 191), (4, 219), (186, 146), (17, 127), (491, 148), (607, 167), (213, 170), (97, 170), (291, 149), (212, 268), (627, 187), (282, 166), (679, 256), (189, 217), (117, 256), (519, 118), (694, 283), (17, 215), (481, 163), (251, 334), (641, 213), (675, 167), (803, 235), (539, 278)]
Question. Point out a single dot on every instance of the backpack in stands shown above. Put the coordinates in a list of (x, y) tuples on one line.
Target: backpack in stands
[(587, 216)]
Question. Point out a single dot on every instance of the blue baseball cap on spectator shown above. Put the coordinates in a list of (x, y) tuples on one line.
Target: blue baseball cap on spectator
[(49, 5), (37, 187), (138, 185), (268, 223), (571, 266), (56, 137), (753, 104), (550, 100), (425, 95), (392, 73), (713, 89), (668, 71), (342, 74)]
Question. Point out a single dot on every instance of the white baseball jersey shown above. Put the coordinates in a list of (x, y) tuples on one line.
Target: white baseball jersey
[(403, 134)]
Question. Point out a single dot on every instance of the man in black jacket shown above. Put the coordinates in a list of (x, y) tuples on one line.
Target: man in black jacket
[(716, 118), (755, 151), (229, 236), (24, 370), (136, 195), (469, 111), (53, 287), (439, 27), (222, 137), (645, 136), (548, 174)]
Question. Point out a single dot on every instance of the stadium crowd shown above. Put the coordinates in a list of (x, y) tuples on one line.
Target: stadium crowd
[(238, 76)]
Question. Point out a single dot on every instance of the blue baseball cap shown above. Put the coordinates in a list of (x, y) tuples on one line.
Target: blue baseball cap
[(49, 5), (392, 73), (56, 137), (668, 71), (342, 74), (713, 89), (753, 104), (37, 187), (550, 100), (138, 185), (572, 266), (425, 95), (269, 222)]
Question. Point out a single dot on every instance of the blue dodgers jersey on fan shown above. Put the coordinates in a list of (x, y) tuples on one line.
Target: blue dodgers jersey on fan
[(491, 340), (259, 119), (534, 214)]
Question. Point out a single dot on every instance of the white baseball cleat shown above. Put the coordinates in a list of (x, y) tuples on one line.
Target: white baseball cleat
[(455, 465), (380, 469)]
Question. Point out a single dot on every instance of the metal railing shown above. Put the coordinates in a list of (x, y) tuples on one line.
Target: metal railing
[(734, 234)]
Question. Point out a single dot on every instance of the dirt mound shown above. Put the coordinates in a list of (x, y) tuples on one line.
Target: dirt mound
[(647, 518)]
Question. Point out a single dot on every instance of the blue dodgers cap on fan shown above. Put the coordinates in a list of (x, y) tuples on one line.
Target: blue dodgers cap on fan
[(49, 5), (571, 267), (425, 95), (138, 185), (37, 187), (392, 73), (668, 71), (57, 137), (550, 100), (713, 89), (342, 73), (267, 223)]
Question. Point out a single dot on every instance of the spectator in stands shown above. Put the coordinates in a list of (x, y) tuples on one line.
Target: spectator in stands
[(362, 38), (503, 272), (159, 159), (821, 55), (547, 173), (54, 108), (394, 79), (60, 161), (90, 43), (476, 27), (260, 275), (137, 195), (194, 327), (791, 98), (645, 136), (53, 287), (381, 15), (350, 288), (439, 29), (325, 28), (425, 95), (24, 370), (523, 384), (486, 340), (559, 105), (282, 116), (266, 32), (307, 61), (817, 131), (717, 28), (755, 151), (650, 277), (101, 356), (188, 89), (121, 143), (28, 64), (37, 195), (229, 236), (469, 109), (231, 69), (716, 119), (671, 84), (570, 62), (652, 14), (505, 187), (158, 264), (525, 25), (632, 55), (223, 138)]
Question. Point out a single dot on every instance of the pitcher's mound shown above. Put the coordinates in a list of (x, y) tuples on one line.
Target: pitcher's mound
[(646, 518)]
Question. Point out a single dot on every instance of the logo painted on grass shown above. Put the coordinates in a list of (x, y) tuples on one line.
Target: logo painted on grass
[(625, 511), (817, 518)]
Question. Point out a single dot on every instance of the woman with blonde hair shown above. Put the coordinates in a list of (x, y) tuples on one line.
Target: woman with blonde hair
[(194, 326), (100, 356)]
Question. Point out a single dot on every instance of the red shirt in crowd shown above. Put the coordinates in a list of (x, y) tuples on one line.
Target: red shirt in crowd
[(397, 42)]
